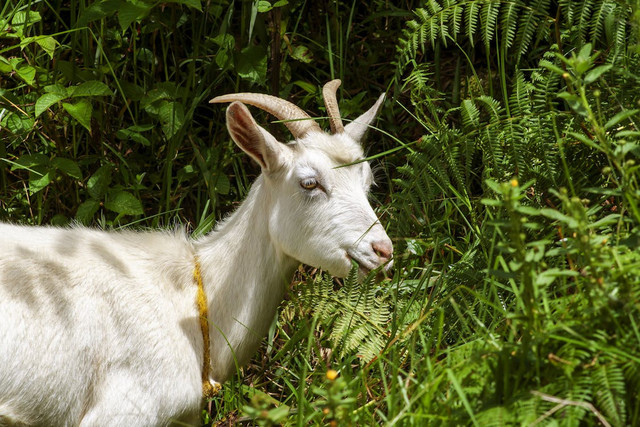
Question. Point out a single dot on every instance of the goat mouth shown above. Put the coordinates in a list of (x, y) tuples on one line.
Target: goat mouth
[(363, 268)]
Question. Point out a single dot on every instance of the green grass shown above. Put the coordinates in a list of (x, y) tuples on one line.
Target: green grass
[(507, 170)]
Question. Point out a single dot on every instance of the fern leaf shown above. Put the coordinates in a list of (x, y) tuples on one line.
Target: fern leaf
[(490, 11), (585, 15), (509, 23), (455, 19), (598, 20), (470, 114), (609, 397), (472, 12), (527, 26)]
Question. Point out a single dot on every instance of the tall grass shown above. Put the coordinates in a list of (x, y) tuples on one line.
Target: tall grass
[(507, 177)]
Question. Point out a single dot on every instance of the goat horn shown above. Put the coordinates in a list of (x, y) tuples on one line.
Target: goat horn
[(331, 104), (294, 118)]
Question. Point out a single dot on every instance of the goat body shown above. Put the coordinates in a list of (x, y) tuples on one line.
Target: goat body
[(101, 328)]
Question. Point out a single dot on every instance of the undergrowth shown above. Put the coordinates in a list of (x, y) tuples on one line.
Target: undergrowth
[(507, 170)]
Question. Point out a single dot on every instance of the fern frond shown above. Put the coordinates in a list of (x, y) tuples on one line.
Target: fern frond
[(472, 12), (490, 11), (509, 22), (357, 314), (455, 19), (527, 26), (599, 20), (470, 114), (610, 387), (585, 8)]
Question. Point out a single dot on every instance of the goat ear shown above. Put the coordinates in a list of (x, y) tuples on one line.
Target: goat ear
[(357, 128), (253, 139)]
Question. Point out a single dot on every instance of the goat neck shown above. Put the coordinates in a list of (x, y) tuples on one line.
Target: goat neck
[(245, 277)]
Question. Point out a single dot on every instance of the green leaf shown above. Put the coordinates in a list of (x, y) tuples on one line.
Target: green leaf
[(622, 115), (264, 6), (29, 161), (46, 101), (585, 52), (27, 73), (98, 10), (222, 184), (25, 18), (142, 127), (5, 65), (48, 44), (81, 111), (193, 4), (128, 133), (551, 67), (582, 138), (605, 222), (57, 88), (595, 74), (67, 166), (559, 216), (527, 210), (132, 91), (39, 178), (129, 13), (87, 210), (547, 277), (99, 182), (91, 88), (123, 202), (302, 54), (574, 102), (18, 124), (171, 116), (252, 64)]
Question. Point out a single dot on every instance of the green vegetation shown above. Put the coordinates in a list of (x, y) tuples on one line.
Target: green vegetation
[(508, 177)]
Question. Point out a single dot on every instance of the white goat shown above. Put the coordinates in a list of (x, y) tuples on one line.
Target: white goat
[(102, 328)]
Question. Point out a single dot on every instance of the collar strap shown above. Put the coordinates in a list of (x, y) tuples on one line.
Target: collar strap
[(208, 390)]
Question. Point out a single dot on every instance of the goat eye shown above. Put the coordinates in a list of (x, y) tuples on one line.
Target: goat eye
[(309, 183)]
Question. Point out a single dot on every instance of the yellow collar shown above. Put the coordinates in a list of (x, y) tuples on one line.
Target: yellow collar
[(208, 390)]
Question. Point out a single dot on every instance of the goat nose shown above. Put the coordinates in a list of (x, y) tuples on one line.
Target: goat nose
[(384, 249)]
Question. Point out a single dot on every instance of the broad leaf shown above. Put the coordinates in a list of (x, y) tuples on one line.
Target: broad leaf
[(98, 10), (25, 18), (128, 133), (595, 74), (67, 166), (46, 101), (87, 210), (171, 117), (123, 202), (91, 88), (194, 4), (27, 73), (81, 111), (29, 161), (39, 178), (99, 182), (129, 13), (252, 64)]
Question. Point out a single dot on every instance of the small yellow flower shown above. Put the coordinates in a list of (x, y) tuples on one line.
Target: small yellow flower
[(514, 182), (332, 374)]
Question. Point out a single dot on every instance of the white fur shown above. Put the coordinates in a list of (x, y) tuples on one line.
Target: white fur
[(101, 328)]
